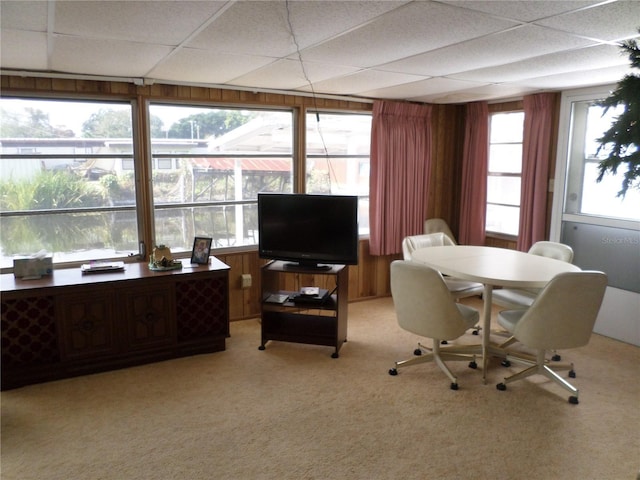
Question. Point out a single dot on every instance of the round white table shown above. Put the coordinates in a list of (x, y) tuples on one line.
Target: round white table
[(492, 267)]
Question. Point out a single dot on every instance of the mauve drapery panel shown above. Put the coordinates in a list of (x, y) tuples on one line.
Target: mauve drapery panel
[(473, 201), (399, 177), (538, 125)]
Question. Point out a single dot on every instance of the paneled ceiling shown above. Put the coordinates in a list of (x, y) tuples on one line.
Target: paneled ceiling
[(440, 51)]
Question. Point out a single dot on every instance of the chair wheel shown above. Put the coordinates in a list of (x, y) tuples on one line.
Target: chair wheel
[(505, 363), (473, 364), (335, 355), (572, 373), (573, 400), (501, 386), (556, 358), (393, 372), (475, 332), (261, 347), (444, 342), (454, 386), (417, 352)]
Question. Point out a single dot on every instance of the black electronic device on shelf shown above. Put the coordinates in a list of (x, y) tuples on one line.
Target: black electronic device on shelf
[(309, 231), (318, 297)]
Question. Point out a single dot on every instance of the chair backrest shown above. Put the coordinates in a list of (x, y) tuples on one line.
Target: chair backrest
[(563, 314), (413, 242), (422, 302), (435, 225), (556, 250)]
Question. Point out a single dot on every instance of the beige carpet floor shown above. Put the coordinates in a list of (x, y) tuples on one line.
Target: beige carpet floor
[(293, 412)]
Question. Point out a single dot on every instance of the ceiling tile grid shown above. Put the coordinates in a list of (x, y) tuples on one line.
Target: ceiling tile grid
[(440, 51)]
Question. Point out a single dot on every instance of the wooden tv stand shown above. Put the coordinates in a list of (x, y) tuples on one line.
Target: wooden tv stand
[(70, 323), (317, 324)]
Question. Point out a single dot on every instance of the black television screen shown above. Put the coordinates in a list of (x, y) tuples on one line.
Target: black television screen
[(308, 230)]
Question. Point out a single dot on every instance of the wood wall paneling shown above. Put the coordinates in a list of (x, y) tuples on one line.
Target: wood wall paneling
[(370, 278)]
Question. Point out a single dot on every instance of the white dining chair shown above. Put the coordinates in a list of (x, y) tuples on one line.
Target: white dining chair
[(435, 225), (561, 317), (424, 307), (457, 288), (524, 297)]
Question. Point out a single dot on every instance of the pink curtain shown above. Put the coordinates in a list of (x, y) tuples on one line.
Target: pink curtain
[(399, 177), (473, 202), (538, 123)]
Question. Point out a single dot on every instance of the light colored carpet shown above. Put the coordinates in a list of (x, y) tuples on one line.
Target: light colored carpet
[(293, 412)]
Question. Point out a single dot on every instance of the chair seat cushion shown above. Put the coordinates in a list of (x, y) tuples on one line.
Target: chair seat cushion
[(471, 315), (455, 285), (508, 319), (513, 297)]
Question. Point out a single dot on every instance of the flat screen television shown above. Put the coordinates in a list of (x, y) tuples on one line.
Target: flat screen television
[(308, 230)]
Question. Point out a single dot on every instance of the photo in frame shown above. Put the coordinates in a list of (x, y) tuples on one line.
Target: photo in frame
[(201, 249)]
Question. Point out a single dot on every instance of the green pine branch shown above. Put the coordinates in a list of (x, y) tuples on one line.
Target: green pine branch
[(623, 137)]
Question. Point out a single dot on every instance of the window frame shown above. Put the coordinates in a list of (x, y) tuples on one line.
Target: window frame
[(363, 200), (181, 157), (514, 107), (140, 163), (132, 103)]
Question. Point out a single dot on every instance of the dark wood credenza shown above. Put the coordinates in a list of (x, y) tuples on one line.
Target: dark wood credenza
[(71, 323)]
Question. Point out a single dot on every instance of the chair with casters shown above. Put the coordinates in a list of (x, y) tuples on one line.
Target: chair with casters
[(424, 307), (435, 225), (523, 297), (561, 317), (457, 288)]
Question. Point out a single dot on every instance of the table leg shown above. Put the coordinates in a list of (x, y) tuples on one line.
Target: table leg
[(486, 327)]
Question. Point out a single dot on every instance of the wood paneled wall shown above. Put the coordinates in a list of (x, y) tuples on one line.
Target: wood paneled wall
[(368, 279)]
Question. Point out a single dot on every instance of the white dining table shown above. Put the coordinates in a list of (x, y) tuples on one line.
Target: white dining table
[(492, 267)]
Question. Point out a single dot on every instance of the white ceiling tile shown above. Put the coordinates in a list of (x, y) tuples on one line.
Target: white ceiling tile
[(23, 15), (104, 57), (317, 21), (467, 49), (23, 50), (162, 22), (609, 21), (475, 94), (424, 87), (262, 27), (288, 74), (198, 66), (599, 76), (491, 50), (410, 30), (555, 63), (364, 81), (248, 28), (524, 11)]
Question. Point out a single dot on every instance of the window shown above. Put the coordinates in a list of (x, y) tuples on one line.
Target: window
[(64, 185), (584, 195), (338, 157), (76, 182), (504, 173), (209, 165)]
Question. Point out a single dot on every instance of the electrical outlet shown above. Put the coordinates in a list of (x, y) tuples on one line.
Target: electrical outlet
[(246, 280)]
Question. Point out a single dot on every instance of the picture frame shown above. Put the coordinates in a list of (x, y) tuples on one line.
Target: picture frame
[(201, 250)]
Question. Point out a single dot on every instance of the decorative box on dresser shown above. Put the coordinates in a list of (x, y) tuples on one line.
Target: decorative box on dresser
[(71, 323)]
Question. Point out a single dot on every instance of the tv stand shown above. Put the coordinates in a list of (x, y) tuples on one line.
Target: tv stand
[(317, 324)]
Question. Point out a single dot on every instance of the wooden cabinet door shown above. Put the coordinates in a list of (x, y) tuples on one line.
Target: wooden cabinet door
[(87, 324), (149, 316), (202, 308)]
